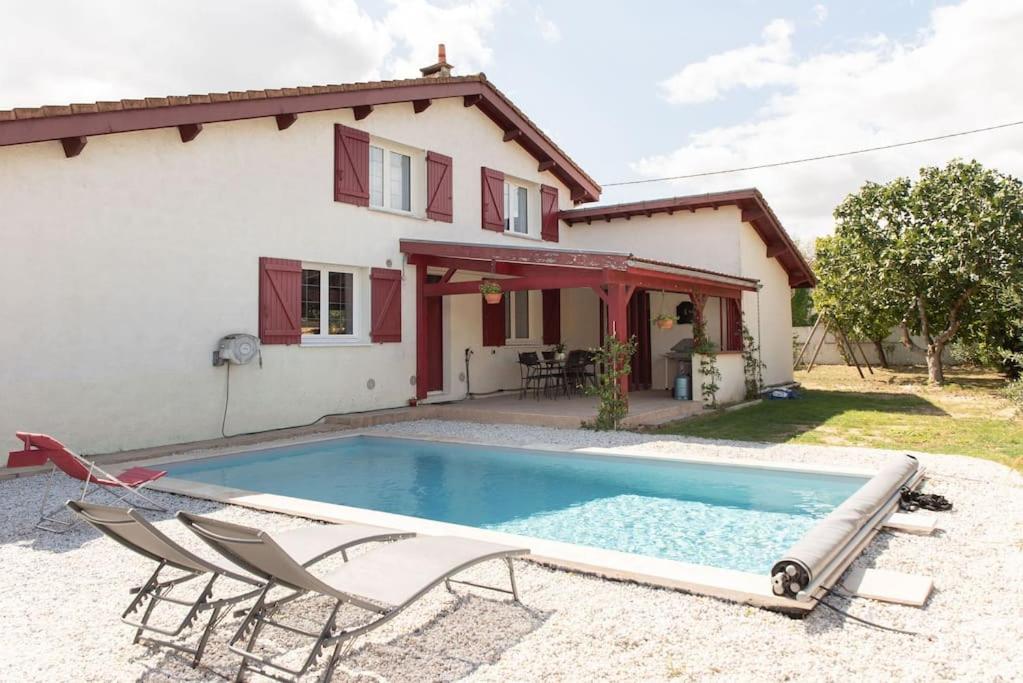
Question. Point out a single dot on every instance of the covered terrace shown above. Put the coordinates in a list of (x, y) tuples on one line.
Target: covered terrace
[(450, 269)]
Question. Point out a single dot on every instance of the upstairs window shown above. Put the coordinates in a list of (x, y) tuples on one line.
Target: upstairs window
[(516, 209), (328, 304), (390, 179)]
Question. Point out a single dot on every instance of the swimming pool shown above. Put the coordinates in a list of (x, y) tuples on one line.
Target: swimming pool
[(726, 516)]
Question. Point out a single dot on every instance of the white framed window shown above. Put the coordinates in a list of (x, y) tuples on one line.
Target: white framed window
[(516, 209), (390, 179), (331, 309), (516, 316)]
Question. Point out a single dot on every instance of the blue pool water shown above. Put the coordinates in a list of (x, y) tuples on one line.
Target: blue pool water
[(723, 516)]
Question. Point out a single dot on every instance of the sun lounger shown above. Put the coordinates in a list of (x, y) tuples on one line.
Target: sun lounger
[(123, 486), (383, 582), (130, 529)]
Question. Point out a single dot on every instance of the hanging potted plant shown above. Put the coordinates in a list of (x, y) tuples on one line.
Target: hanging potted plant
[(491, 291), (664, 321)]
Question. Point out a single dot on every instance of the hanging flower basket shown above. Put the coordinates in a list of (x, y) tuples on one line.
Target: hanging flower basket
[(665, 322), (491, 292)]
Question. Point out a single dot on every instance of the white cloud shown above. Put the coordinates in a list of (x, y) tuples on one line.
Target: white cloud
[(59, 52), (549, 31), (753, 66), (820, 13), (962, 72)]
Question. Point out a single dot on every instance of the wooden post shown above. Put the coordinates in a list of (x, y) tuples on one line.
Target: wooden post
[(422, 353), (852, 355), (816, 352), (617, 324), (809, 337)]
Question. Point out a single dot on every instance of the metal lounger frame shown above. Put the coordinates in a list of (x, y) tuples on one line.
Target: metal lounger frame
[(155, 591), (48, 521)]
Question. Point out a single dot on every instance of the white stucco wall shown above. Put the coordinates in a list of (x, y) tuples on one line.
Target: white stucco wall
[(731, 384), (767, 313), (123, 266)]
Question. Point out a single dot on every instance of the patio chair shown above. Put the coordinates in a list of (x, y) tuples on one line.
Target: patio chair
[(530, 373), (580, 370), (130, 529), (123, 487), (382, 582)]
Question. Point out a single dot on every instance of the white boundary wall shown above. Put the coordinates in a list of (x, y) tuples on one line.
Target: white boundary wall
[(894, 351)]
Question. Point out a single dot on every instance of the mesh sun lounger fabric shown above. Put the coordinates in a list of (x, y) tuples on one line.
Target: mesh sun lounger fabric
[(813, 553), (383, 581), (395, 574)]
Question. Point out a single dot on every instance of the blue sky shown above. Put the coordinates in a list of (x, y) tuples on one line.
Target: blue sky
[(630, 90)]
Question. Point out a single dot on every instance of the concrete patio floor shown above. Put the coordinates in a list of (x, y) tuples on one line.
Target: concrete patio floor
[(646, 409)]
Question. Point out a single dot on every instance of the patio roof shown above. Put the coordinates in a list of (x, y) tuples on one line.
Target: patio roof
[(755, 211), (527, 267)]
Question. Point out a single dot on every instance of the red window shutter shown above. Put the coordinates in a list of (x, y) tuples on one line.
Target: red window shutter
[(733, 324), (549, 213), (492, 185), (351, 165), (493, 324), (552, 316), (385, 305), (280, 301), (439, 203)]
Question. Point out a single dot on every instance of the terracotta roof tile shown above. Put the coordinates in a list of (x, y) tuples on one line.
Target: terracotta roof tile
[(157, 102)]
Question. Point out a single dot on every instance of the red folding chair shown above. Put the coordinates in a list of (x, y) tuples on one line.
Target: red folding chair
[(123, 486)]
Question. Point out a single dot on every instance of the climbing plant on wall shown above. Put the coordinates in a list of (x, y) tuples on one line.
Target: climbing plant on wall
[(614, 357), (753, 367), (708, 362)]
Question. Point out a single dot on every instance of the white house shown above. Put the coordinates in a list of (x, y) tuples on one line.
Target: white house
[(349, 227)]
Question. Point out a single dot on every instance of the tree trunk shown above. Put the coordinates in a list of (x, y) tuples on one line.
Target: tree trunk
[(881, 358), (935, 369)]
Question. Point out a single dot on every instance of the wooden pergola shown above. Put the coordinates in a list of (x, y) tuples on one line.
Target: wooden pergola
[(614, 277)]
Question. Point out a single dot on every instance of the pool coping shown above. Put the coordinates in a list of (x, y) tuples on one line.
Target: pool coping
[(737, 586)]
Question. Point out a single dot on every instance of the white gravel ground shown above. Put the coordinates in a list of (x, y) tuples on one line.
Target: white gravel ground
[(62, 596)]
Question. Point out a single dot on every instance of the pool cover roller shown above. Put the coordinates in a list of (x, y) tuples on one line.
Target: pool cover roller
[(811, 559)]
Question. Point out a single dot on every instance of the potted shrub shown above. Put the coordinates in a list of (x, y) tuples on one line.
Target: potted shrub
[(664, 321), (491, 291), (559, 351)]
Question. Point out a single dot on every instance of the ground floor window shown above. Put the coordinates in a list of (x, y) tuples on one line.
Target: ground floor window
[(328, 303), (516, 316)]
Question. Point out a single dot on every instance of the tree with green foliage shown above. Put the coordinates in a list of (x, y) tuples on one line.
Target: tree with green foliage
[(844, 291), (933, 256)]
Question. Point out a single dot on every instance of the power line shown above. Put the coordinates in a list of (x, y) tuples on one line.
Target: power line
[(816, 158)]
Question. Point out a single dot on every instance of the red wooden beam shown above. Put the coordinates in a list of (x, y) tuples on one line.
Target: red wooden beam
[(448, 275), (617, 318), (422, 353), (512, 134), (776, 250), (545, 165), (189, 131), (362, 111), (536, 256), (419, 106), (565, 280), (752, 214), (472, 100), (284, 121), (73, 146)]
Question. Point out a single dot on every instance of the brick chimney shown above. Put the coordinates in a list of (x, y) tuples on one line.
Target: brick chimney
[(441, 69)]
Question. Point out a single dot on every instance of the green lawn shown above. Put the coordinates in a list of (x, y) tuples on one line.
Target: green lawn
[(954, 420)]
